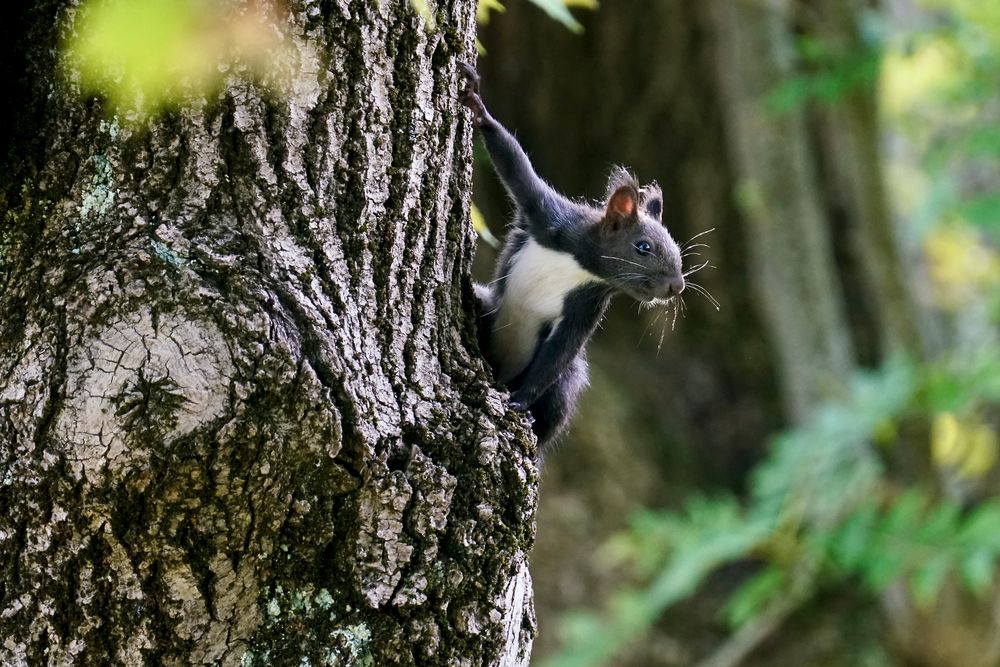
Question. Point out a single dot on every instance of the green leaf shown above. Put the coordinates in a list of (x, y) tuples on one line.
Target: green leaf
[(982, 141), (881, 569), (982, 528), (928, 579), (836, 76), (146, 54), (978, 570), (942, 524), (851, 544), (906, 512), (558, 10), (147, 41), (753, 595), (983, 211)]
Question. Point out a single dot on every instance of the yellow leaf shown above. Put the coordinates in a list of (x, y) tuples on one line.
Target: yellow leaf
[(145, 54), (915, 76), (479, 224), (484, 7), (425, 12), (985, 14), (982, 452), (962, 266), (947, 447)]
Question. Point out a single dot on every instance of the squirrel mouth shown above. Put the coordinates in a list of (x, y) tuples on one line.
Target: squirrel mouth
[(645, 291), (647, 297), (658, 301)]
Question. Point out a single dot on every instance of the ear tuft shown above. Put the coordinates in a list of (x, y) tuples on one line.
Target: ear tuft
[(623, 203), (619, 178)]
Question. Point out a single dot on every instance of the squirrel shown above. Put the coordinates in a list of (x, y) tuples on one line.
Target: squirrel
[(560, 264)]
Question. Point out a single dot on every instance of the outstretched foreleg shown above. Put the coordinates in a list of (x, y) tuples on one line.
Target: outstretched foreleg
[(544, 209)]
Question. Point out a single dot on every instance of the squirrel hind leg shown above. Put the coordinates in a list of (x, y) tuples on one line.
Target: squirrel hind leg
[(554, 408)]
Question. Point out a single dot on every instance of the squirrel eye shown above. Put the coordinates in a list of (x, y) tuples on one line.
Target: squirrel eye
[(644, 248)]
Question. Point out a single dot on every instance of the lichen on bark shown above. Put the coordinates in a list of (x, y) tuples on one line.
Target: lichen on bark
[(243, 419)]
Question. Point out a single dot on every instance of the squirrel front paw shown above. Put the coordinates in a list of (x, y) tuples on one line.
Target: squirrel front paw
[(469, 96), (471, 78)]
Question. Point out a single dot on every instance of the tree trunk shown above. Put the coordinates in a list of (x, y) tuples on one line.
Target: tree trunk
[(851, 139), (242, 414), (786, 228)]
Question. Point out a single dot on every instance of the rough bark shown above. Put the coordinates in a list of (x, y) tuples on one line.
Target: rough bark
[(242, 414)]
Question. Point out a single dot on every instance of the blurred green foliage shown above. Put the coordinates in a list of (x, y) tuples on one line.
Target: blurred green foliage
[(139, 47), (146, 54), (827, 73), (829, 505), (955, 189), (821, 510)]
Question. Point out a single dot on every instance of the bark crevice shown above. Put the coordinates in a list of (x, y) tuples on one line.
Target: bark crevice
[(242, 415)]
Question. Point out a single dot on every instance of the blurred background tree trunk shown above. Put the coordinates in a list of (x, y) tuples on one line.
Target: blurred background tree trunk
[(883, 311), (242, 415), (786, 227)]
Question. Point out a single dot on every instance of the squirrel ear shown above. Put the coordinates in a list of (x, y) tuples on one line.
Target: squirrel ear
[(623, 203), (652, 201), (654, 207)]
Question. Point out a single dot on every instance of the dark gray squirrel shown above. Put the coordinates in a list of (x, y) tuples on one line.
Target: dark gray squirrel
[(561, 263)]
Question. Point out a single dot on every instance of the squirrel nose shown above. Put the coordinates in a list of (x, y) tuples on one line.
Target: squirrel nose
[(675, 286)]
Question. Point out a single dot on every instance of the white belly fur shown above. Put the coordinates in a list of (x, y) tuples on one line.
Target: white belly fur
[(536, 288)]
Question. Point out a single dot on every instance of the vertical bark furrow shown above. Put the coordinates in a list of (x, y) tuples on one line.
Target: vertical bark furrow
[(239, 420)]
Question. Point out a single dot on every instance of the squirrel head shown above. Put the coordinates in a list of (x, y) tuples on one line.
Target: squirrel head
[(637, 255)]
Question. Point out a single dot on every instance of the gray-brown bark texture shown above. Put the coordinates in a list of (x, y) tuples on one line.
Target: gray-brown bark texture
[(242, 414)]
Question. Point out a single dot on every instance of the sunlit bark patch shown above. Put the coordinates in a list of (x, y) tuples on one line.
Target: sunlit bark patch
[(139, 385)]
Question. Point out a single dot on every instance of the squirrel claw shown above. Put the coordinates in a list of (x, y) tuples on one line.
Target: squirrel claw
[(518, 405), (471, 77), (469, 97)]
